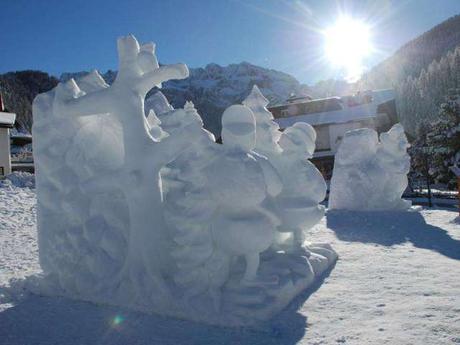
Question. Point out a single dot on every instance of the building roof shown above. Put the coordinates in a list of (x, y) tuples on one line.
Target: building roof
[(360, 112), (7, 119)]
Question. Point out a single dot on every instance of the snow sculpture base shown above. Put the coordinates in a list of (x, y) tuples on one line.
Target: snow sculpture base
[(162, 219), (282, 277)]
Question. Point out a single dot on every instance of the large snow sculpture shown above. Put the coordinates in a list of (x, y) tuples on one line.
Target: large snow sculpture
[(303, 185), (368, 174), (148, 212)]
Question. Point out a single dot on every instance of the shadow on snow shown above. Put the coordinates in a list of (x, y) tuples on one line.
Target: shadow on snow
[(389, 228), (34, 319)]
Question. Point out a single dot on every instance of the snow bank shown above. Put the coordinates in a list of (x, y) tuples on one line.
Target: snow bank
[(19, 179)]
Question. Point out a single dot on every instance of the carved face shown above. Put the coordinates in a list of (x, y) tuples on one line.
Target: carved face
[(239, 128)]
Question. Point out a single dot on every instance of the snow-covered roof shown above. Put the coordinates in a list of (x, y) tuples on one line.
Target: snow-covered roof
[(347, 114), (7, 119)]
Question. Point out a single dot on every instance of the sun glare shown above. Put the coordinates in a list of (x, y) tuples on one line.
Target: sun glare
[(347, 44)]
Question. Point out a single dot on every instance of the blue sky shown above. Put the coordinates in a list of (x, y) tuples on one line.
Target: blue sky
[(71, 35)]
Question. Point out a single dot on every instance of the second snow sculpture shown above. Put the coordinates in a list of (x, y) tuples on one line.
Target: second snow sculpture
[(149, 213), (368, 174)]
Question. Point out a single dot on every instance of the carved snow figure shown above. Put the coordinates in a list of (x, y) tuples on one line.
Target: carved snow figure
[(267, 130), (241, 182), (393, 158), (145, 217), (303, 185), (236, 182), (158, 103), (147, 258), (223, 221), (354, 170), (369, 175), (155, 106), (154, 126), (200, 146)]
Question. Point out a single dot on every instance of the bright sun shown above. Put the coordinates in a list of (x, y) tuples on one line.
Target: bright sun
[(347, 43)]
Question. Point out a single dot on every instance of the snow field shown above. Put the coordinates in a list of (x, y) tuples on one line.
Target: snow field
[(396, 282)]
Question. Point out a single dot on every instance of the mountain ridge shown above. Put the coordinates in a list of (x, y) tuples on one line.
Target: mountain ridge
[(214, 87)]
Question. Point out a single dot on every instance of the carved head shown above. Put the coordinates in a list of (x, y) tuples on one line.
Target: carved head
[(395, 141), (239, 128), (357, 146), (134, 59), (299, 139)]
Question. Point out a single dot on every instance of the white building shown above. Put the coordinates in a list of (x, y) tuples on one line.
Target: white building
[(333, 117), (6, 122)]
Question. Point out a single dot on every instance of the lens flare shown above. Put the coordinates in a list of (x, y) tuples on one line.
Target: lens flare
[(118, 320)]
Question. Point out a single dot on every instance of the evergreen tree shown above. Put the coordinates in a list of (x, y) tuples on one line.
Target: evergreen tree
[(436, 145), (444, 140)]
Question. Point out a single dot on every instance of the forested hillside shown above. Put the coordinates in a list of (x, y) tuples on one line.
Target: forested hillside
[(422, 72), (20, 88), (419, 98)]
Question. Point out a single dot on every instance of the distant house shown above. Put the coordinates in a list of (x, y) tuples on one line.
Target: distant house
[(21, 151), (6, 122), (333, 117)]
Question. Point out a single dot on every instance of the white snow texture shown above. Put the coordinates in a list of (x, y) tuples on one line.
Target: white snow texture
[(150, 213), (368, 174)]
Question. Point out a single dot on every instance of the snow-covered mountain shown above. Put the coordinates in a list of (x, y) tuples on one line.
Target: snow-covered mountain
[(215, 87)]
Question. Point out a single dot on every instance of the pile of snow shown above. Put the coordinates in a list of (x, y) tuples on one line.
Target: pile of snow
[(19, 179)]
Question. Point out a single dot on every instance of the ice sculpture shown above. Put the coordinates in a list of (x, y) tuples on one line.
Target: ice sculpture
[(303, 185), (368, 174), (148, 212)]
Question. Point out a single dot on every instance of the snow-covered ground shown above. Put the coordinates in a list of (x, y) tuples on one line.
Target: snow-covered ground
[(396, 282)]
